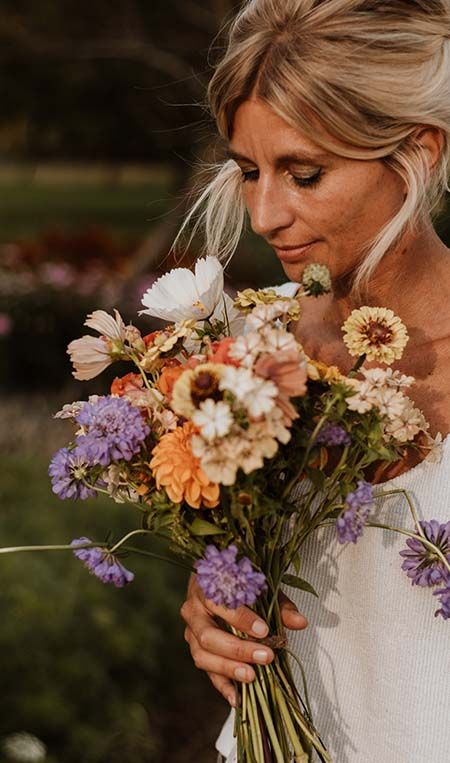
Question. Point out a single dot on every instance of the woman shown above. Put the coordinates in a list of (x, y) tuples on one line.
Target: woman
[(336, 115)]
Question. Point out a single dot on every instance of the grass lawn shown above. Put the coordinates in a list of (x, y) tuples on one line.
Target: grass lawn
[(100, 675), (126, 210)]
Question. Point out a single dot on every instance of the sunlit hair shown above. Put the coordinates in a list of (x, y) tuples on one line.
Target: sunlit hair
[(364, 73)]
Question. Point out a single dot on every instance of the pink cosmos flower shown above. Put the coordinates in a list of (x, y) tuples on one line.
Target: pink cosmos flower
[(287, 370), (89, 355)]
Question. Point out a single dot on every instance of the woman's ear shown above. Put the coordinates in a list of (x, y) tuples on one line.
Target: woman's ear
[(431, 139)]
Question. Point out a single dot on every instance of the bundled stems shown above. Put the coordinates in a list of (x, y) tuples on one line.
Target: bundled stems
[(271, 724)]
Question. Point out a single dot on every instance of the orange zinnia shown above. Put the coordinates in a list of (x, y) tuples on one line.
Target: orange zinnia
[(175, 468), (123, 384), (168, 377)]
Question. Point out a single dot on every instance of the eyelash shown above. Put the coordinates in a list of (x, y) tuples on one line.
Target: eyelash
[(307, 182)]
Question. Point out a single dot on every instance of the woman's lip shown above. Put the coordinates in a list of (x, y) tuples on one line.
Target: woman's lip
[(293, 254)]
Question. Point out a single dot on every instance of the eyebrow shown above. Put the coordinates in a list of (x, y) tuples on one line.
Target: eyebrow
[(299, 157)]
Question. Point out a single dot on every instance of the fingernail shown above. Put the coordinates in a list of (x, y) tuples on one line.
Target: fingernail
[(231, 700), (241, 674), (260, 655), (260, 628)]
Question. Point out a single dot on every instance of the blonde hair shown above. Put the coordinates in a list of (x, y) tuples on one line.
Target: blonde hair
[(368, 73)]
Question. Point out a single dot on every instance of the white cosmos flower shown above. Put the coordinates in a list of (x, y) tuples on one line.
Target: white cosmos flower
[(213, 419), (228, 314), (180, 294), (106, 325)]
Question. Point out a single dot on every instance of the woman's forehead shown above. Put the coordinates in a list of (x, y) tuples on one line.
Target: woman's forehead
[(257, 126)]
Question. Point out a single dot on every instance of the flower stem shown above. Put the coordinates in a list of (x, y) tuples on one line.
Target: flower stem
[(269, 724), (125, 538), (60, 547), (254, 725), (142, 552), (357, 366), (425, 542), (300, 755), (405, 494)]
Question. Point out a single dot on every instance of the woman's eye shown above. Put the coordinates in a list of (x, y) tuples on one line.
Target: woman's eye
[(249, 175), (308, 180), (303, 182)]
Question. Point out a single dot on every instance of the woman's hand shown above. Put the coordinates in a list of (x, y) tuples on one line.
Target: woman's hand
[(223, 656)]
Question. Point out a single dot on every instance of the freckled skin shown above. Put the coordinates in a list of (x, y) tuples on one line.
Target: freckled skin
[(344, 211)]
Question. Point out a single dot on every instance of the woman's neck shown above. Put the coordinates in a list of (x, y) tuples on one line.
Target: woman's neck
[(413, 280)]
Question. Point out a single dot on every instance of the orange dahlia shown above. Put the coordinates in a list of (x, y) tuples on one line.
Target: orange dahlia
[(175, 468)]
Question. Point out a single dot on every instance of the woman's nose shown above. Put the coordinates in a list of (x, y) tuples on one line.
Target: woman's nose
[(269, 209)]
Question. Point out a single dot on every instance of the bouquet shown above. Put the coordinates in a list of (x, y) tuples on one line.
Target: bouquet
[(232, 444)]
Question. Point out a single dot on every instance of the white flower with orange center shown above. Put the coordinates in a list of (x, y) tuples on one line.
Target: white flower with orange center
[(182, 294), (178, 470), (375, 332)]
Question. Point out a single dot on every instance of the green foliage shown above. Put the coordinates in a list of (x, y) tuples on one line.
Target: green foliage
[(295, 582), (99, 674)]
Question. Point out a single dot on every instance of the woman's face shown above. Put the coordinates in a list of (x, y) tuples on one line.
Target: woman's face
[(309, 205)]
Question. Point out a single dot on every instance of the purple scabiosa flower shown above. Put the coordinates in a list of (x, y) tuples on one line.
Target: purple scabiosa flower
[(112, 430), (102, 564), (333, 434), (444, 600), (67, 470), (227, 582), (422, 565), (350, 525)]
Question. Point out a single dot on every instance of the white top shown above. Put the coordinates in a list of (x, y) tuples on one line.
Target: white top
[(377, 660)]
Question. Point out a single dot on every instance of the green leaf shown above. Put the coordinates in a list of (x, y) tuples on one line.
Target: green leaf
[(296, 582), (317, 478), (202, 527), (296, 563)]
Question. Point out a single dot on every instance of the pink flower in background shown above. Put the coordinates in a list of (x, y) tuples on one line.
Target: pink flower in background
[(6, 324), (59, 275)]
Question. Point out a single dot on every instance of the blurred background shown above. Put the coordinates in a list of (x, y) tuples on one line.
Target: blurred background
[(101, 129)]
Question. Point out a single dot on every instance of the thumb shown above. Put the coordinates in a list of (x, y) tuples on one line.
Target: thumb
[(290, 615)]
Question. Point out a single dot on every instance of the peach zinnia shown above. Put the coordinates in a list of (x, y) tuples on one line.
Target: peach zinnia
[(175, 468)]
